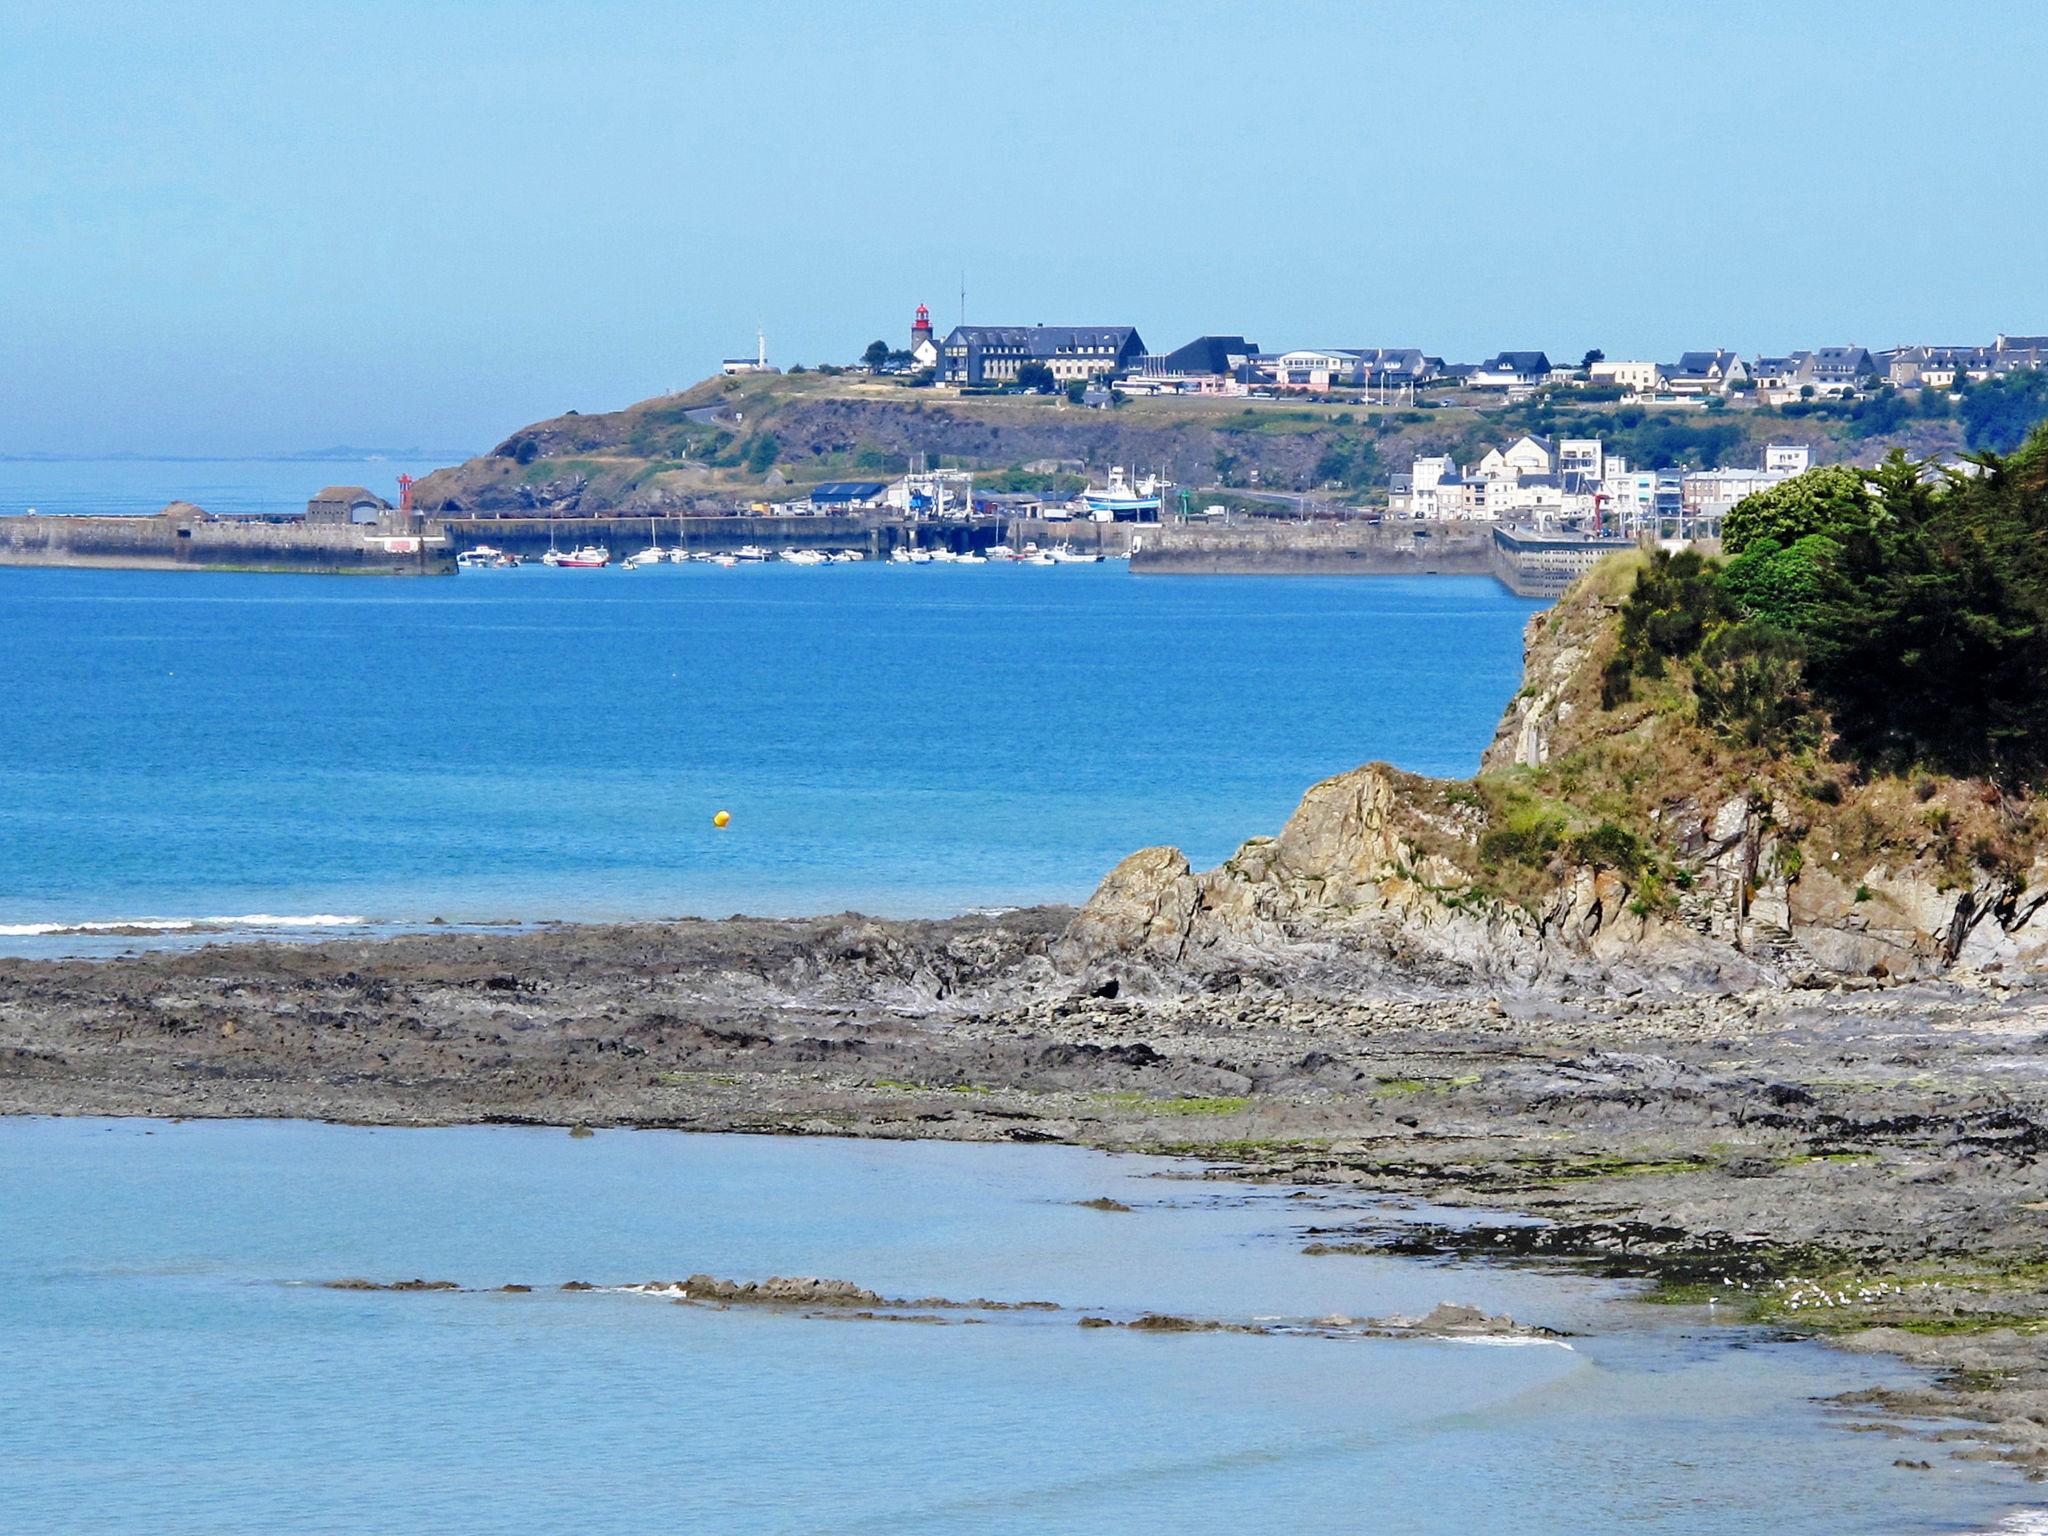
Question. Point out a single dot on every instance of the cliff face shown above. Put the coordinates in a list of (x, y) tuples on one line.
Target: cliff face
[(1598, 846)]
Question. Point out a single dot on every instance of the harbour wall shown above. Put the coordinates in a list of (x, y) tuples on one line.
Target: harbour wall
[(180, 543), (1527, 564), (1317, 549)]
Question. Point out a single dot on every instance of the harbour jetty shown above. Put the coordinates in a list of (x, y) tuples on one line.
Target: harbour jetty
[(364, 538), (1529, 564)]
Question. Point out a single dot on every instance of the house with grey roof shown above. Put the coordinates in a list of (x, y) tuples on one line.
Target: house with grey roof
[(2014, 352), (1706, 373), (1937, 367), (993, 354), (1837, 371), (1511, 370)]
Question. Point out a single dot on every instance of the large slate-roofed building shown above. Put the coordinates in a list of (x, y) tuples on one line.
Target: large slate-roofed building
[(992, 354)]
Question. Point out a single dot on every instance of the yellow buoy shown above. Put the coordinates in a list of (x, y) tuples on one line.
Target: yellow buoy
[(723, 818)]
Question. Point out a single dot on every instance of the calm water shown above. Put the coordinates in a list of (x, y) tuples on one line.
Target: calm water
[(553, 744), (168, 1371)]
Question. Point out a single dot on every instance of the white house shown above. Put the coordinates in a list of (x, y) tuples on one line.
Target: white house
[(1528, 455), (1584, 457), (1785, 460), (1310, 369), (1642, 378), (1511, 370)]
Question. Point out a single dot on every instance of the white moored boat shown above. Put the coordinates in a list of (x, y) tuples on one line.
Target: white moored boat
[(480, 558), (1063, 554), (750, 554), (589, 558), (803, 557), (653, 554)]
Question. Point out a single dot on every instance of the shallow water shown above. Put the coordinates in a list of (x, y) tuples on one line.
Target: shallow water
[(541, 744), (169, 1369)]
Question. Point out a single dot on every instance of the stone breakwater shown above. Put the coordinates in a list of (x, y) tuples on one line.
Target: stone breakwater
[(1527, 564), (186, 540)]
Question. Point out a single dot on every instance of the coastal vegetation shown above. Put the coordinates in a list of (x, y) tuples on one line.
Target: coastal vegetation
[(1893, 616)]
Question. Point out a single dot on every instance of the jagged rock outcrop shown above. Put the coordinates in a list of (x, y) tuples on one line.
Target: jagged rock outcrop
[(1383, 878), (1359, 888)]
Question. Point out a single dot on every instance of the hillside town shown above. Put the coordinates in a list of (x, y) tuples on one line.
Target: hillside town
[(1530, 480), (1060, 356)]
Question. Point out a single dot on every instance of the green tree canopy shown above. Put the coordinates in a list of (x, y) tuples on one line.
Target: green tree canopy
[(1819, 501), (1998, 414), (1908, 610)]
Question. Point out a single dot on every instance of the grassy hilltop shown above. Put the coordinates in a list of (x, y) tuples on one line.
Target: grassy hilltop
[(771, 435)]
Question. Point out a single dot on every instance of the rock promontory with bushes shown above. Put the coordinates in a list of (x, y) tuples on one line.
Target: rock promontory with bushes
[(1818, 756)]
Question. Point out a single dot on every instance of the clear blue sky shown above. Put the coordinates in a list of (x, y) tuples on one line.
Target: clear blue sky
[(232, 226)]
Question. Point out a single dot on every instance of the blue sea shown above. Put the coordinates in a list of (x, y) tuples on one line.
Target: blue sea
[(544, 744), (172, 1364)]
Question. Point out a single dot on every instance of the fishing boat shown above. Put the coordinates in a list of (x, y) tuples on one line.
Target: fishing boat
[(750, 554), (590, 557), (1036, 557), (1121, 499), (481, 558), (1065, 554)]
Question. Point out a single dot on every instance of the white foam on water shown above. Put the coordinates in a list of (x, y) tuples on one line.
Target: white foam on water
[(183, 924)]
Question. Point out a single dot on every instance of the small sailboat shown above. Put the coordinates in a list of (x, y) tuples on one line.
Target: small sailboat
[(653, 554)]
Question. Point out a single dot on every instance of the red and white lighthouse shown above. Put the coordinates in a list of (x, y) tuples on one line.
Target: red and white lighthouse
[(921, 329)]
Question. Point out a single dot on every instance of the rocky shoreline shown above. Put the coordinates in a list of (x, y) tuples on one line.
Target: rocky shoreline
[(1859, 1160)]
